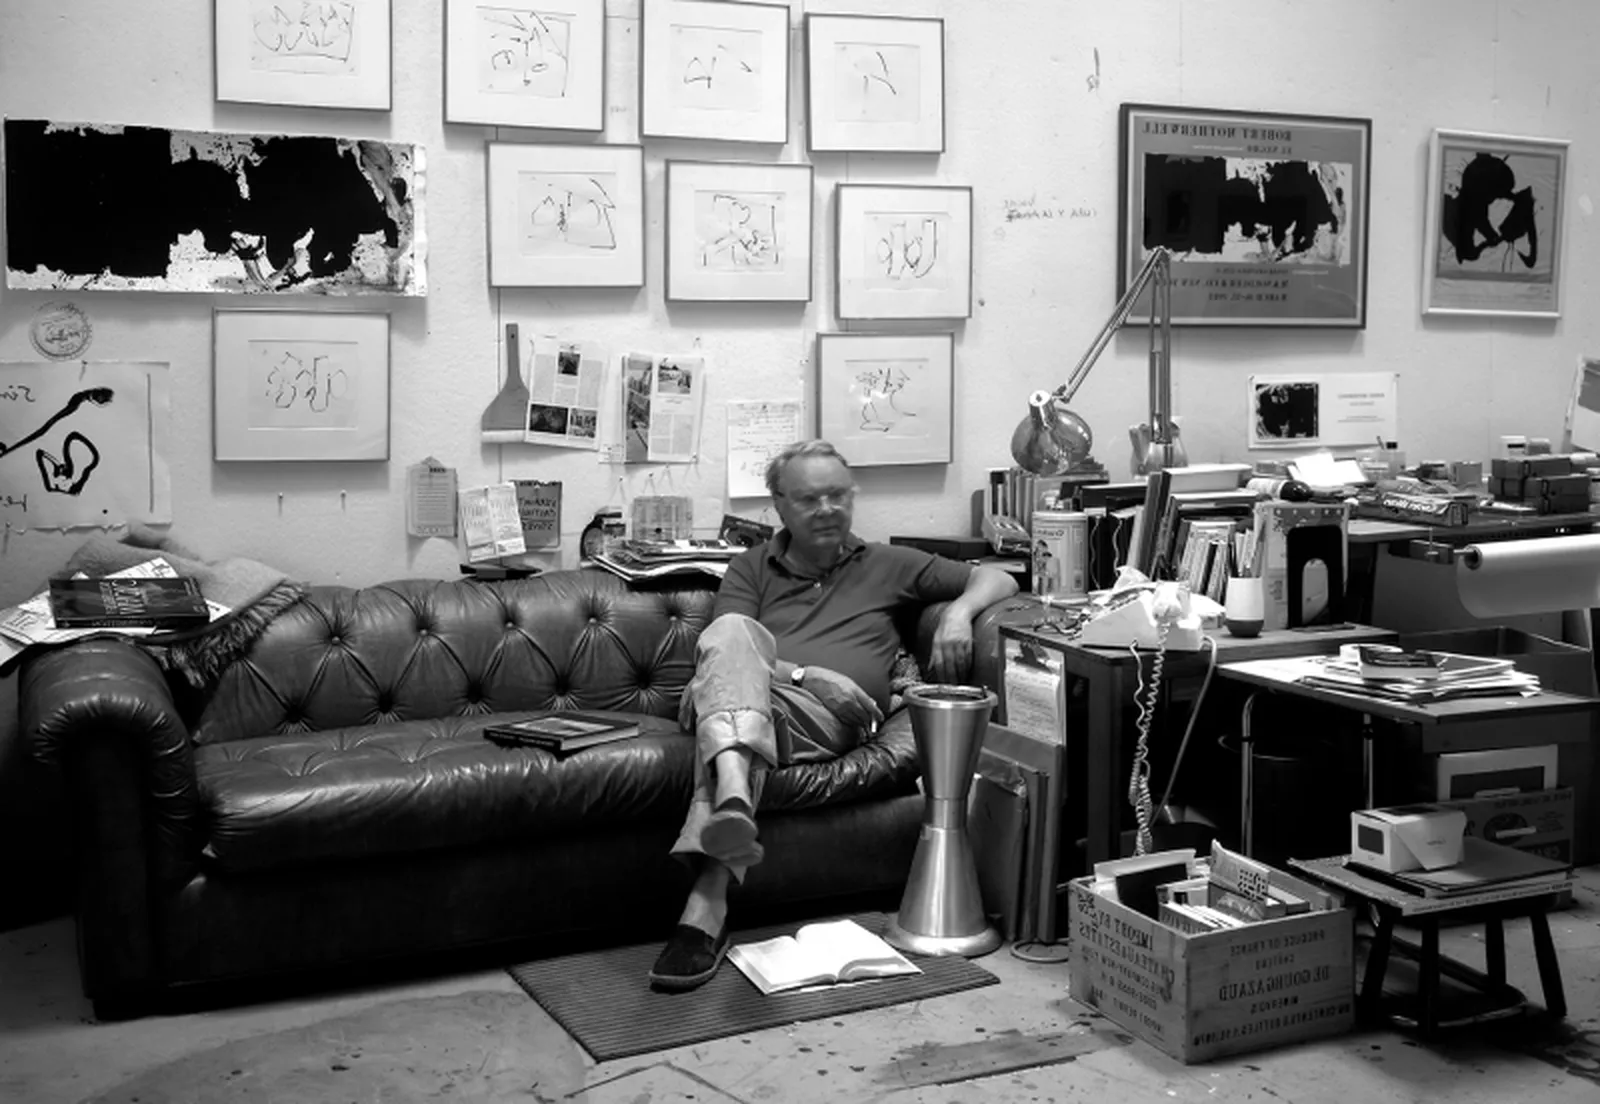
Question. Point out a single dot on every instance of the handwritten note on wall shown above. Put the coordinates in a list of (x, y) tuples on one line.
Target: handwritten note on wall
[(757, 431)]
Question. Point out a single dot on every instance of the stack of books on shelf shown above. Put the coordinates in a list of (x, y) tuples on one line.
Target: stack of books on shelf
[(1419, 676), (639, 559)]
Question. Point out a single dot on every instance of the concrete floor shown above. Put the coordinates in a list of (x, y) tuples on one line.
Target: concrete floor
[(477, 1037)]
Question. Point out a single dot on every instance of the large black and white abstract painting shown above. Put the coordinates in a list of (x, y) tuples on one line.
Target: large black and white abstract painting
[(137, 208)]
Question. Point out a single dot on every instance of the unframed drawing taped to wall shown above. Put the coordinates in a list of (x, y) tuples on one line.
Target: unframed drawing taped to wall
[(134, 208), (83, 444)]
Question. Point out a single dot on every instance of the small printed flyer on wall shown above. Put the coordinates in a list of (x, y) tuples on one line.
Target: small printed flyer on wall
[(1315, 410), (490, 524), (758, 431)]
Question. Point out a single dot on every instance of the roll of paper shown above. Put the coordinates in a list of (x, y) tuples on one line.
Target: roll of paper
[(1530, 576)]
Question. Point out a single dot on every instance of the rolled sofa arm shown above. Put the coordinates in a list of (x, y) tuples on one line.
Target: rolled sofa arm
[(102, 712)]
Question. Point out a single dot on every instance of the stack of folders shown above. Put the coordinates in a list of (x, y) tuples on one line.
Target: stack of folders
[(1195, 896), (1485, 868), (1419, 676)]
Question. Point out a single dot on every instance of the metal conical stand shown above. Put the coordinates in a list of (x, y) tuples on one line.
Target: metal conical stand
[(942, 910)]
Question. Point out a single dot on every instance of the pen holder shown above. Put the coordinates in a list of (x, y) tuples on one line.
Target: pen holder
[(1244, 607)]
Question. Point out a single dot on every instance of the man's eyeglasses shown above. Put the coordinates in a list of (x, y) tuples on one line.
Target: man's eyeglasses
[(809, 502)]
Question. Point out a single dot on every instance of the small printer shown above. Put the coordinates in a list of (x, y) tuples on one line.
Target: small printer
[(1407, 837)]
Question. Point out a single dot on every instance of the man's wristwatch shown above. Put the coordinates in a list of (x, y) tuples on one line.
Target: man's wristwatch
[(798, 676)]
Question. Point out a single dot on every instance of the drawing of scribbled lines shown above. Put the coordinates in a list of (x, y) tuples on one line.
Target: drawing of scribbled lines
[(738, 231), (884, 391), (567, 214), (310, 36), (905, 250), (302, 384), (715, 68), (524, 52), (877, 82)]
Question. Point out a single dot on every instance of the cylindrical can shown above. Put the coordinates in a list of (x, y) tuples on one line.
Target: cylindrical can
[(1061, 554)]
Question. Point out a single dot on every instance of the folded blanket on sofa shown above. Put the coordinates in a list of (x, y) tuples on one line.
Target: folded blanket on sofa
[(253, 592)]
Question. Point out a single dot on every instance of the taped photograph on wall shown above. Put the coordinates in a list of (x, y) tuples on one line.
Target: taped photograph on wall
[(887, 398), (1265, 214), (714, 69), (738, 232), (137, 208), (1493, 242), (566, 216), (1318, 410), (510, 64), (83, 444), (874, 83), (310, 53), (903, 251), (300, 385)]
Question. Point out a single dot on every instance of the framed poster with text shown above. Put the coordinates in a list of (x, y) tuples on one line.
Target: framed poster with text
[(1265, 214)]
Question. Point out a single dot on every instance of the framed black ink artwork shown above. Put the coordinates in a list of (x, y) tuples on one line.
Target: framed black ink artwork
[(334, 53), (887, 398), (1265, 214), (1493, 243)]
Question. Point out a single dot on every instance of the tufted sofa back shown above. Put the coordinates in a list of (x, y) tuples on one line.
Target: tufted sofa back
[(418, 649)]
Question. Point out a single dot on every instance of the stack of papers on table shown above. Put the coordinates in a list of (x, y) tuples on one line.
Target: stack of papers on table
[(653, 559), (1419, 677)]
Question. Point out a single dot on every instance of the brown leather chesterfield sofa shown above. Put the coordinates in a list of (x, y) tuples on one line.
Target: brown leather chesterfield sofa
[(331, 802)]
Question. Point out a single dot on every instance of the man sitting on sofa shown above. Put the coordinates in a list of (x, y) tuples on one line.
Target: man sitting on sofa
[(795, 667)]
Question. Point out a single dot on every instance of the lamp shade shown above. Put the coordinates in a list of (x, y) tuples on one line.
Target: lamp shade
[(1051, 438)]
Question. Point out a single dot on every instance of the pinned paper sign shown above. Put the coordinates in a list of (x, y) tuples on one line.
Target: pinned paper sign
[(539, 509)]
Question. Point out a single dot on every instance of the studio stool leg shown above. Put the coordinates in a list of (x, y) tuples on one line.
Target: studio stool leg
[(1544, 953), (1428, 980), (1494, 937), (1377, 965)]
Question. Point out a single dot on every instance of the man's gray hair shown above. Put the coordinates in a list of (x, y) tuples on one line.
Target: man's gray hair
[(817, 447)]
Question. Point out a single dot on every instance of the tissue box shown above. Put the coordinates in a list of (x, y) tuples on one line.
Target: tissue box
[(1407, 837)]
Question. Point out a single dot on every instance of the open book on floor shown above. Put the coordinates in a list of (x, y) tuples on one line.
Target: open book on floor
[(818, 954)]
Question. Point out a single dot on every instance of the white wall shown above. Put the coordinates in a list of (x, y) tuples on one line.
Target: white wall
[(1023, 120)]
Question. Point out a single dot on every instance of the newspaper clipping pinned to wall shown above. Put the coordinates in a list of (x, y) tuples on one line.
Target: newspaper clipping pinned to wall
[(565, 392), (663, 397)]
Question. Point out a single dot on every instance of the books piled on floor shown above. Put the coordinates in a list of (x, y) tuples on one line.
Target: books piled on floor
[(637, 559), (1419, 676), (830, 953), (1197, 895)]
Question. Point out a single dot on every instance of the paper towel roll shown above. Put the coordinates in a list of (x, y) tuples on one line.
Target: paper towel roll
[(1529, 576)]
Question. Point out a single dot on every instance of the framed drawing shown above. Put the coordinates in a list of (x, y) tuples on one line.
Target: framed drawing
[(303, 53), (1493, 242), (566, 216), (1265, 215), (300, 385), (887, 398), (874, 83), (525, 65), (738, 233), (714, 69), (903, 251)]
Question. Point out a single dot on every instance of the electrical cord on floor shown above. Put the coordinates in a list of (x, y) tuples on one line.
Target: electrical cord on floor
[(1024, 951), (1145, 697)]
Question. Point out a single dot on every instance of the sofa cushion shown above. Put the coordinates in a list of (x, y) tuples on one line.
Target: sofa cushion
[(395, 788)]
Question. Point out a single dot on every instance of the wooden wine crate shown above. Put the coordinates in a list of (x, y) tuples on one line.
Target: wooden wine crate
[(1198, 997)]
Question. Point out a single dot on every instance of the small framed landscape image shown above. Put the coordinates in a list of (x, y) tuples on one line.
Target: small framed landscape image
[(300, 385), (738, 232), (303, 53), (874, 83), (714, 69), (566, 216), (1493, 243), (887, 399), (903, 251), (527, 64)]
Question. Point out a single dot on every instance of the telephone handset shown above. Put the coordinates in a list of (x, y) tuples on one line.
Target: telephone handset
[(1136, 611)]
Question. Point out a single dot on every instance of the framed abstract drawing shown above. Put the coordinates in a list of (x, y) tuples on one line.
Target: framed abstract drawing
[(314, 53), (519, 65), (886, 399), (903, 251), (1265, 215), (300, 385), (738, 232), (874, 83), (1493, 244), (714, 69), (566, 216)]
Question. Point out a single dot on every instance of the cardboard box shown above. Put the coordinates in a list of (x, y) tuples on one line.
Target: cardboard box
[(1407, 837), (1198, 997), (1540, 822)]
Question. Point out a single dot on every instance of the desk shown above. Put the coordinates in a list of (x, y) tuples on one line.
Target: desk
[(1367, 536), (1461, 724), (1109, 678)]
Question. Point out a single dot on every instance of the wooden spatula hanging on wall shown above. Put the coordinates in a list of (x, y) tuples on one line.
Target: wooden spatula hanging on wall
[(505, 418)]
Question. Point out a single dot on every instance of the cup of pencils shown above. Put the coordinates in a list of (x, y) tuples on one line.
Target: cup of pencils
[(1244, 606)]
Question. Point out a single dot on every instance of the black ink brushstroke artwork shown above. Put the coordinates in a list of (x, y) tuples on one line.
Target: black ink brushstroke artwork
[(1492, 212), (526, 51), (313, 29), (79, 456), (880, 387), (135, 208), (1287, 412)]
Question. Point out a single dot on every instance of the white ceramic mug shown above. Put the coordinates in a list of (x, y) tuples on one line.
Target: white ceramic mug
[(1244, 606)]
